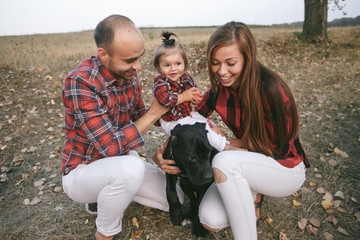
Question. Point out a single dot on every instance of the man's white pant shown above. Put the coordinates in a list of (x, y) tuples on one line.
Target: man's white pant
[(113, 183)]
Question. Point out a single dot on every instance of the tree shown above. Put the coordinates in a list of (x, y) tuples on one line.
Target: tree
[(315, 22)]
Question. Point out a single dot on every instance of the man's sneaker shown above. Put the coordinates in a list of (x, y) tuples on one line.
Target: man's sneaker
[(91, 208)]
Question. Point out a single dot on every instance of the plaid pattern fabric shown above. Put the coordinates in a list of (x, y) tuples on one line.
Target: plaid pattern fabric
[(166, 92), (228, 106), (99, 115)]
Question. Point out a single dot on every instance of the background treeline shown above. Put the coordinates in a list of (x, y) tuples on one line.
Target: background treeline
[(340, 22)]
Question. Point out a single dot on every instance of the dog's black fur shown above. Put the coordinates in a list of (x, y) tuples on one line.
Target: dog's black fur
[(189, 147)]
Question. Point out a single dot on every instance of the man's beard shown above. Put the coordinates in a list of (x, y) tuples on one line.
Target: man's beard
[(120, 75)]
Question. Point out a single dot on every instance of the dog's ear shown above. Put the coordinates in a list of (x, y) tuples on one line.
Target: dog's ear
[(201, 125), (173, 140), (176, 129), (169, 148)]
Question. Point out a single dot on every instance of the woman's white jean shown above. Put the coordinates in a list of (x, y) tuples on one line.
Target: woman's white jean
[(113, 183), (247, 173)]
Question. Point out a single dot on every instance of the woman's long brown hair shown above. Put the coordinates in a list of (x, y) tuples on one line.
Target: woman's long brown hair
[(256, 82)]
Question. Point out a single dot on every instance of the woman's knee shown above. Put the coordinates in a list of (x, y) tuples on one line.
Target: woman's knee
[(220, 165)]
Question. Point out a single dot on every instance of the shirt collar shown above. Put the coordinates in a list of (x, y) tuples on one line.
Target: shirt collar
[(228, 91)]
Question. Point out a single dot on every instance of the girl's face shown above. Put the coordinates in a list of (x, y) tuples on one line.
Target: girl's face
[(172, 65), (227, 63)]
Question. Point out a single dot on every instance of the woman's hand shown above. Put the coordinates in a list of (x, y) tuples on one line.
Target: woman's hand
[(215, 128), (167, 166)]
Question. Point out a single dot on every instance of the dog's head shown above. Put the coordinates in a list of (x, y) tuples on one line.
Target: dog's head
[(192, 152)]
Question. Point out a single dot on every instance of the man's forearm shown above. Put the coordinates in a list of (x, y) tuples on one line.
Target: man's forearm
[(150, 117)]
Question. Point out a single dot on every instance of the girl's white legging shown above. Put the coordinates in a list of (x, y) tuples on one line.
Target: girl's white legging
[(215, 139), (247, 173), (113, 183)]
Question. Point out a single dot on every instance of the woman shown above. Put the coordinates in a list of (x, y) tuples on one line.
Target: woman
[(258, 107)]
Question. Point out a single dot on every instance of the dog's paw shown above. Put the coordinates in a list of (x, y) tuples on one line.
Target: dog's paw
[(176, 217), (186, 222), (199, 231)]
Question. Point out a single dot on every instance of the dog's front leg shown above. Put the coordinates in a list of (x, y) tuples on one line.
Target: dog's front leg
[(198, 229), (173, 200)]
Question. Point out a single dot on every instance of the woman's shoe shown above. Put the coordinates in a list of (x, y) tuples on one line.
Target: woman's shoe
[(257, 203)]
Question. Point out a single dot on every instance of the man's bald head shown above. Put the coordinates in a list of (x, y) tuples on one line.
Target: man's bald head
[(106, 29)]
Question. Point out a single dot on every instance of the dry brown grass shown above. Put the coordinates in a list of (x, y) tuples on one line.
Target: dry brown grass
[(325, 79)]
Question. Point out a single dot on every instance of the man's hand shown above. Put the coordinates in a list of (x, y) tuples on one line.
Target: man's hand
[(168, 166)]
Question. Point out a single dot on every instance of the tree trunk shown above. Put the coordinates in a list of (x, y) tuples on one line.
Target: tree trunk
[(315, 22)]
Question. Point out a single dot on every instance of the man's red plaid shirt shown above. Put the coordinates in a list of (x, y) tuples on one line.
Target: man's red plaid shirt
[(99, 115)]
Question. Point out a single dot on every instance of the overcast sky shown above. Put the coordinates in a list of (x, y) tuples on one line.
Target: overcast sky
[(19, 17)]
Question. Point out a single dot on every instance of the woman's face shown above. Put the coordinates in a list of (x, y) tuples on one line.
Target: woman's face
[(227, 63)]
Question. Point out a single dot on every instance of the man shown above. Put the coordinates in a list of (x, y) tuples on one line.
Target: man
[(104, 121)]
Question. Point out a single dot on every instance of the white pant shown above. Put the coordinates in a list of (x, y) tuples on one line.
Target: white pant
[(247, 173), (215, 139), (113, 183)]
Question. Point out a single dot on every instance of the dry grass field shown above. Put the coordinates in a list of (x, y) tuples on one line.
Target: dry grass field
[(325, 79)]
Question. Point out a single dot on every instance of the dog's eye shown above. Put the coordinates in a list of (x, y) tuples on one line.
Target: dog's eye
[(192, 158)]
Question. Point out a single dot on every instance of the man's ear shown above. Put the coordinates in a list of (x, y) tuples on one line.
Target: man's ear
[(104, 56)]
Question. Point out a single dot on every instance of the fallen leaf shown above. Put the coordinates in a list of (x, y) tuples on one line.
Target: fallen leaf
[(138, 234), (282, 236), (57, 189), (26, 202), (340, 209), (328, 196), (35, 201), (343, 231), (340, 153), (315, 222), (320, 190), (354, 200), (296, 203), (38, 184), (337, 203), (312, 184), (333, 162), (335, 221), (326, 204), (339, 194), (357, 215), (328, 236), (7, 139), (302, 223), (330, 211), (268, 219), (312, 230), (135, 222), (323, 159)]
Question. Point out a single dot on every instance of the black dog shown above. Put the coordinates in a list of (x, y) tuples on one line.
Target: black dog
[(189, 147)]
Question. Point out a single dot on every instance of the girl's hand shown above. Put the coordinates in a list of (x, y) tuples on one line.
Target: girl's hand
[(167, 166), (192, 95)]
